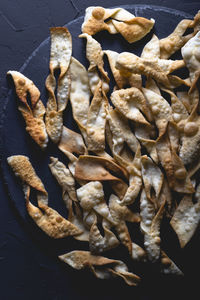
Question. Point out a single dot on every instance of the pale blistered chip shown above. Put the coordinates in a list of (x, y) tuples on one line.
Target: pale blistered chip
[(160, 108), (99, 243), (83, 259), (152, 177), (134, 29), (79, 94), (190, 53), (131, 103), (60, 57), (122, 79), (33, 115), (158, 69), (152, 49), (186, 218), (96, 121), (64, 177)]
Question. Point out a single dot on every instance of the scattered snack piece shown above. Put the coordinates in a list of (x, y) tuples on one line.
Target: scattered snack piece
[(33, 115)]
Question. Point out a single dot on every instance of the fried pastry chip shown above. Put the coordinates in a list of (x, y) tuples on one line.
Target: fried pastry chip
[(93, 168), (131, 103), (96, 15), (119, 136), (79, 94), (152, 177), (158, 69), (135, 179), (189, 150), (186, 218), (122, 79), (168, 266), (64, 178), (23, 169), (84, 259), (96, 121), (176, 173), (150, 226), (33, 115), (60, 56), (99, 243), (190, 53), (91, 197), (134, 29), (160, 108), (152, 49)]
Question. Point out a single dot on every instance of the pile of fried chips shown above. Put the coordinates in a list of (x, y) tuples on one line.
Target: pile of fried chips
[(143, 142)]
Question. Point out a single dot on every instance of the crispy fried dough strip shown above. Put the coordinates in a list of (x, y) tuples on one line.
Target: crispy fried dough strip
[(186, 218), (49, 220), (122, 78), (176, 173), (60, 56), (168, 266), (130, 102), (34, 115), (175, 40), (190, 53), (23, 169), (190, 140), (151, 49), (158, 69), (79, 94), (90, 167), (83, 259), (150, 226), (96, 121), (118, 136), (135, 179), (134, 29), (99, 243), (152, 177)]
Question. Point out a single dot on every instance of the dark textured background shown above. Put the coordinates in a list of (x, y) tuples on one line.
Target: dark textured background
[(28, 270)]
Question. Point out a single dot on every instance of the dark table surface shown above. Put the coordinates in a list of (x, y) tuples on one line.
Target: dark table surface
[(27, 270)]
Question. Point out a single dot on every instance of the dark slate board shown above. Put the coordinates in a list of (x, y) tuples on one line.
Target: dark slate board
[(15, 140)]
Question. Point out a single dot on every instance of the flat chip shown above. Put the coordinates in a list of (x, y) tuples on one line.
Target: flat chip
[(168, 266), (152, 49), (190, 53), (134, 29), (84, 259), (79, 94), (131, 103), (158, 69), (186, 218), (122, 79), (33, 115), (60, 56)]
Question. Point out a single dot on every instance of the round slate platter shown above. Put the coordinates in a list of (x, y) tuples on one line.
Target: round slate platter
[(15, 140)]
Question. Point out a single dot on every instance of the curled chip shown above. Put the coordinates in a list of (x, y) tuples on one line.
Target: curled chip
[(60, 56), (33, 115)]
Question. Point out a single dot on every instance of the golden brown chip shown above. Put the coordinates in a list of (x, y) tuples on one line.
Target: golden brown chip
[(134, 29), (131, 103), (158, 69), (23, 169), (122, 79), (151, 49), (33, 115)]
